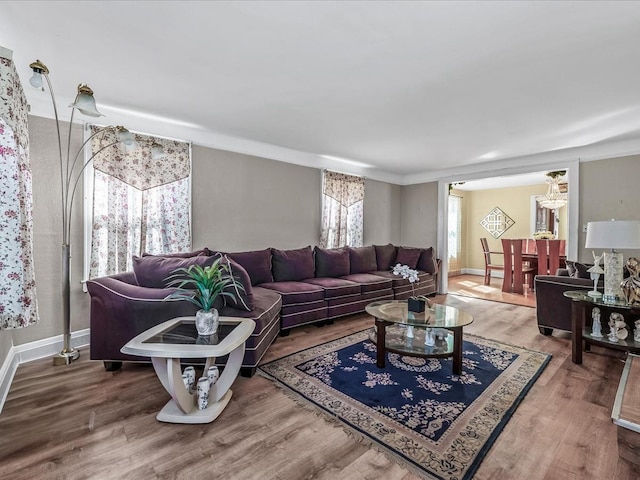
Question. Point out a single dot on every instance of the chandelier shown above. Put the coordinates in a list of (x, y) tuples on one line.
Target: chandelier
[(553, 199)]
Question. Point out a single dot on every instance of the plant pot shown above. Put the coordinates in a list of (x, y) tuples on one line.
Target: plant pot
[(207, 322), (415, 305)]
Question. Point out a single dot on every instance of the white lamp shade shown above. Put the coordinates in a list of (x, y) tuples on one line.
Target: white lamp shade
[(86, 105), (613, 234)]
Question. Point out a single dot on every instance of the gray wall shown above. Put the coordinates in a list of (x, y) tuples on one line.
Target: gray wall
[(419, 218), (240, 202), (609, 189)]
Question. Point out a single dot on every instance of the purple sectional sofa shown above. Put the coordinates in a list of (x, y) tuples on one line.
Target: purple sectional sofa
[(283, 289)]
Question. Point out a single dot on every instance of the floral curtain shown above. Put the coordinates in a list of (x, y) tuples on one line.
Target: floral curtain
[(140, 204), (342, 210), (18, 306)]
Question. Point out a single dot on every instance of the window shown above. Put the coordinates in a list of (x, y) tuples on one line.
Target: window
[(139, 203), (342, 210), (454, 238)]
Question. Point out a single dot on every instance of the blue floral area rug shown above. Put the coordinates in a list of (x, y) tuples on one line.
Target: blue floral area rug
[(439, 424)]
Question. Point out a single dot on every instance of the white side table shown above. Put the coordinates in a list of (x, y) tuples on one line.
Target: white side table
[(175, 339)]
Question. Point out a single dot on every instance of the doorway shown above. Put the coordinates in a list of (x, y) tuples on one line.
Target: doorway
[(502, 177)]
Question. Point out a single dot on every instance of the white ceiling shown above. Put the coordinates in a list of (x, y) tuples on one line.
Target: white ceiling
[(404, 91)]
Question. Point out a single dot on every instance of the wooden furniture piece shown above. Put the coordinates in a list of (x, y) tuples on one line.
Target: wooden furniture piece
[(174, 339), (548, 252), (581, 310), (626, 411), (393, 323), (488, 265), (515, 270)]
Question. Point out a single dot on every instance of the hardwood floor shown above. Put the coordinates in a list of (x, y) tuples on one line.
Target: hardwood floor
[(80, 421), (473, 286)]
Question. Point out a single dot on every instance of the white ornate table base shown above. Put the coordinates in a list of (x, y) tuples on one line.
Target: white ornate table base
[(183, 408), (166, 349)]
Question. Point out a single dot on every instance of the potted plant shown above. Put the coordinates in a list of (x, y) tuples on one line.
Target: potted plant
[(415, 303), (202, 286)]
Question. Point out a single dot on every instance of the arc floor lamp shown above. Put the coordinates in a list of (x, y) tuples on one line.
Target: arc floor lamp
[(71, 168)]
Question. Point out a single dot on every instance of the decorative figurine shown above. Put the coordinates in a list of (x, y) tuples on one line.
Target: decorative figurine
[(631, 284), (636, 331), (595, 272), (596, 328), (429, 338), (409, 331), (617, 327)]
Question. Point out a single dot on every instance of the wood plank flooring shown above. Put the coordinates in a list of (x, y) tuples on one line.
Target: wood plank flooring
[(473, 286), (80, 422)]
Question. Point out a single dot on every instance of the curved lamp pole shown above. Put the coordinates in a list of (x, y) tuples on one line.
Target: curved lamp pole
[(71, 168)]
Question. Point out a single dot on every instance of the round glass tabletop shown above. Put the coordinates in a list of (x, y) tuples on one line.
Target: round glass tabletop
[(395, 311)]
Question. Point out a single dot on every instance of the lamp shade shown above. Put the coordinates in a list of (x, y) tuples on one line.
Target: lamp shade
[(85, 103), (613, 234)]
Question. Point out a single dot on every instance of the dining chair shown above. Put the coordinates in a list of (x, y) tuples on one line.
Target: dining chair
[(548, 256), (516, 272), (488, 265)]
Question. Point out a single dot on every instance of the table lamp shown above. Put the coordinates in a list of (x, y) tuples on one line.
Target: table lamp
[(613, 235)]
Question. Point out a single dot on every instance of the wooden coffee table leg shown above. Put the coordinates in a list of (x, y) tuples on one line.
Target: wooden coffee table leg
[(457, 351), (380, 342), (577, 312)]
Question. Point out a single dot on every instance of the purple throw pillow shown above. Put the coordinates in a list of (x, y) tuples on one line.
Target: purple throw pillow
[(243, 299), (153, 270), (385, 256), (408, 256), (257, 263), (427, 262), (292, 265), (332, 262), (362, 259)]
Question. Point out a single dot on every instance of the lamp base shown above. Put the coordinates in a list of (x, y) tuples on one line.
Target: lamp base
[(612, 277), (594, 293), (65, 357)]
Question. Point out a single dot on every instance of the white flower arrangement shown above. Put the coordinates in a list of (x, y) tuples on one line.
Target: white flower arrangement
[(406, 272), (544, 235)]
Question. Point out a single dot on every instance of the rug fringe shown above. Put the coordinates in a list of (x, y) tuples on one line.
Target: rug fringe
[(353, 434)]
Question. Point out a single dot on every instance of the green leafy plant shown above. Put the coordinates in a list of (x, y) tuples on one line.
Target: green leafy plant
[(202, 286)]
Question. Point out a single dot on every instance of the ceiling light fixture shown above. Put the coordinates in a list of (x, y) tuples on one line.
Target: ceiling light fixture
[(554, 198)]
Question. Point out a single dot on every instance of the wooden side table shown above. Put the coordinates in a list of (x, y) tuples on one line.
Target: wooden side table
[(581, 338)]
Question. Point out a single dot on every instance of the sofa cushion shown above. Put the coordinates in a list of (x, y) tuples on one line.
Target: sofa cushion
[(296, 292), (153, 270), (427, 262), (385, 256), (408, 256), (335, 287), (196, 253), (257, 263), (292, 265), (578, 270), (243, 299), (362, 259), (369, 282), (332, 262)]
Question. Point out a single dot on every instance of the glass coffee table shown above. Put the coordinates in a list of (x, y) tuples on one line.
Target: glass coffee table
[(400, 331), (177, 339)]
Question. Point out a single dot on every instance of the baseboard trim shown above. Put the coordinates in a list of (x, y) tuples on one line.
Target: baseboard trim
[(476, 271), (35, 350)]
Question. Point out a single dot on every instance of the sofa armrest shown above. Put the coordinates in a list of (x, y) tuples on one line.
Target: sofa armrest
[(120, 311), (553, 309)]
